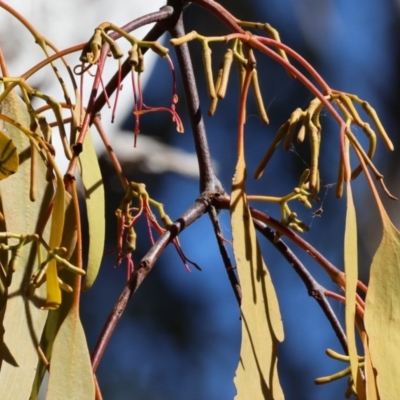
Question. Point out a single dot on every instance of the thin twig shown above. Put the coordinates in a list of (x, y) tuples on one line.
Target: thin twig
[(198, 209), (224, 254), (3, 67), (97, 388), (315, 290), (208, 180), (221, 13), (337, 276), (78, 249), (334, 273), (114, 160)]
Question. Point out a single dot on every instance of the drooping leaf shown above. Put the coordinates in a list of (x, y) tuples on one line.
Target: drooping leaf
[(52, 326), (382, 311), (371, 390), (95, 204), (262, 330), (56, 317), (351, 271), (53, 300), (71, 373), (57, 214), (8, 156), (3, 282), (24, 320)]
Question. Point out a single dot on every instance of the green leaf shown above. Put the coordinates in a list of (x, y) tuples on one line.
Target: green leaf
[(382, 311), (262, 330), (71, 375), (95, 204), (24, 320), (9, 159)]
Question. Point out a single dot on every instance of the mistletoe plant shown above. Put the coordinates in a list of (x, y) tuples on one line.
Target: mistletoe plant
[(41, 248)]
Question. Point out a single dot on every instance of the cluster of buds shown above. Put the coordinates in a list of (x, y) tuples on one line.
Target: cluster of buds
[(300, 193), (351, 387), (310, 122), (127, 217), (59, 255), (91, 55)]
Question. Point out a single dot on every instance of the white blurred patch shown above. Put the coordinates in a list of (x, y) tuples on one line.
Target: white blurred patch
[(67, 23)]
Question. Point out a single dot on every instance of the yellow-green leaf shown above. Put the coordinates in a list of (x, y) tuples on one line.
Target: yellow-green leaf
[(24, 320), (369, 371), (8, 156), (95, 204), (56, 317), (382, 311), (3, 283), (53, 323), (57, 226), (351, 271), (262, 330), (71, 373)]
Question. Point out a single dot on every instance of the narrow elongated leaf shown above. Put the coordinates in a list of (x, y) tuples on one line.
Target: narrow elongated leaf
[(53, 323), (70, 369), (351, 271), (262, 330), (371, 390), (24, 320), (3, 283), (53, 300), (95, 204), (382, 311), (56, 317), (8, 156)]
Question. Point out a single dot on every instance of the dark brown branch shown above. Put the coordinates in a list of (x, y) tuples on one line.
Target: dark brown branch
[(209, 184), (198, 209), (208, 180), (221, 13), (315, 290), (224, 254), (334, 273), (337, 276), (262, 221), (156, 16)]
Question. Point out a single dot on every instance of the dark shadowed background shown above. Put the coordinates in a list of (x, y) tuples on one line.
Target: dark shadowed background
[(179, 338)]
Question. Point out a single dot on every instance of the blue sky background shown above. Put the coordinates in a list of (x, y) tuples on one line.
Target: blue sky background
[(179, 338)]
